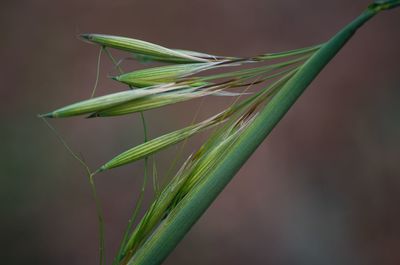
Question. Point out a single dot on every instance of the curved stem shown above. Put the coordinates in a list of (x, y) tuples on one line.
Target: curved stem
[(139, 201), (100, 217), (97, 73), (90, 175)]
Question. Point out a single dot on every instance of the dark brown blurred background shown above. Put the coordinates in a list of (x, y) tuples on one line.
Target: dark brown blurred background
[(323, 189)]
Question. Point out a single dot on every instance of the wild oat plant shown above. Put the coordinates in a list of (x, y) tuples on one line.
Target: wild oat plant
[(238, 130)]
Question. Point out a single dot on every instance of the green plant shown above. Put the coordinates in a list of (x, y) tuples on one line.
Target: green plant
[(242, 126)]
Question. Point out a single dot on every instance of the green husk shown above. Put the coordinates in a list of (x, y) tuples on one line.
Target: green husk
[(105, 102), (151, 102), (163, 74), (96, 104), (141, 47)]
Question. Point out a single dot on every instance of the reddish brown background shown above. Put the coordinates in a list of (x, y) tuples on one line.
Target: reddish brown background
[(323, 189)]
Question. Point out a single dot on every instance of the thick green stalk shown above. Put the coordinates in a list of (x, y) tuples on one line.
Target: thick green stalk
[(188, 211)]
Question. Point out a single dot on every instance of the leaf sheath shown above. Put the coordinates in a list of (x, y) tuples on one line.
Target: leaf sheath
[(195, 203)]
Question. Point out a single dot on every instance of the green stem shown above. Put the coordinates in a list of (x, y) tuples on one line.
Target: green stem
[(380, 5), (139, 201), (193, 205), (97, 73), (99, 210), (100, 217)]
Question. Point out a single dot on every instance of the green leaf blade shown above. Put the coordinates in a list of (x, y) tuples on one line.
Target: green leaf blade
[(179, 221)]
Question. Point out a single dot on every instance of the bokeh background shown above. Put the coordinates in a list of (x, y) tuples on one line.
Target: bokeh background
[(323, 189)]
